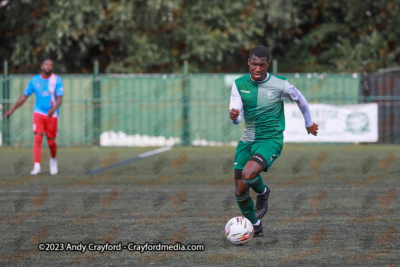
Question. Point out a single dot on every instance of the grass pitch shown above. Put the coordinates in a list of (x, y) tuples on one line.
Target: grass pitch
[(329, 206)]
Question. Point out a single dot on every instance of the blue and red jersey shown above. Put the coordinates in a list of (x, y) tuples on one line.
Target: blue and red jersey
[(46, 91)]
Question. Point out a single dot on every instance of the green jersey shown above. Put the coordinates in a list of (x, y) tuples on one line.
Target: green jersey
[(263, 108)]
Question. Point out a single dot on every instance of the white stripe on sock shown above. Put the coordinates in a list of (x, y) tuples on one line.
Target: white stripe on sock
[(265, 190)]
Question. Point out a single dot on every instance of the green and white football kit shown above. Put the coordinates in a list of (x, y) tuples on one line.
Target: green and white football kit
[(261, 104)]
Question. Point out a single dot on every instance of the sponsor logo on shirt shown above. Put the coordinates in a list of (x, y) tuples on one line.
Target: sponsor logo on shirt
[(245, 91)]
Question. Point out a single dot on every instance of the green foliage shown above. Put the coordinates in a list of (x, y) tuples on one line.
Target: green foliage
[(215, 36)]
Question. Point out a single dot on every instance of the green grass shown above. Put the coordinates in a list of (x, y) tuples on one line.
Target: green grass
[(321, 211)]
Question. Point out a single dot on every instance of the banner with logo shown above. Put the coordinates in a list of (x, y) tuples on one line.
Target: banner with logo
[(350, 123)]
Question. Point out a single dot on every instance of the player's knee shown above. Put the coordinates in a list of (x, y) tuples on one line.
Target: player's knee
[(240, 192), (38, 138), (249, 174), (51, 142)]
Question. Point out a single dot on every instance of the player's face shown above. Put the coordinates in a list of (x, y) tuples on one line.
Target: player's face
[(47, 67), (258, 68)]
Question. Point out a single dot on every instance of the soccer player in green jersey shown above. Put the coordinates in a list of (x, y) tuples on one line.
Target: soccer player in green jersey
[(258, 97)]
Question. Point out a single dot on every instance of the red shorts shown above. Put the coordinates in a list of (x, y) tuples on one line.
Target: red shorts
[(45, 124)]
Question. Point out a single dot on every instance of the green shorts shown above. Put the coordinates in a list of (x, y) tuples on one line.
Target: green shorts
[(270, 150)]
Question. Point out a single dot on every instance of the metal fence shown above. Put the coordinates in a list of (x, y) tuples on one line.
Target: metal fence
[(141, 110), (384, 89)]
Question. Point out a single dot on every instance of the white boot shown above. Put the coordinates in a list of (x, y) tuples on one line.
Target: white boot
[(36, 169), (53, 166)]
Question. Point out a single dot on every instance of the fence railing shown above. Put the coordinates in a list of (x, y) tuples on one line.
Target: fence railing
[(142, 110)]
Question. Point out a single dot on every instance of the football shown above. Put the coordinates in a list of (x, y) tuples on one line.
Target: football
[(239, 231)]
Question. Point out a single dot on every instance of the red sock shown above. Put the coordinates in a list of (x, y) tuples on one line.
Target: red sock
[(37, 148), (53, 147)]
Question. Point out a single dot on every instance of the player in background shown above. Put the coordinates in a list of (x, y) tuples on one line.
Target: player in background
[(258, 97), (48, 89)]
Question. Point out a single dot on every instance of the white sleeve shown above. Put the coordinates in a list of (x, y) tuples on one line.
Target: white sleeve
[(293, 94), (236, 103)]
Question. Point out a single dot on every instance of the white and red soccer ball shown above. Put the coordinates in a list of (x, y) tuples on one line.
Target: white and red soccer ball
[(239, 231)]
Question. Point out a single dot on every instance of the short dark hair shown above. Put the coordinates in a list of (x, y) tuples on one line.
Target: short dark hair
[(46, 58), (259, 51)]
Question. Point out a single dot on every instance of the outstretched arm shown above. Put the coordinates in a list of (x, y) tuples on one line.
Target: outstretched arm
[(293, 94), (20, 101), (235, 106), (311, 127)]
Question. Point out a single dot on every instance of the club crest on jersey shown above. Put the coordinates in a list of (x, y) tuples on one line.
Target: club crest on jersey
[(269, 94)]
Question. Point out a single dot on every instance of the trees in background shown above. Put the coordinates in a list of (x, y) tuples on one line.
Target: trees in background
[(155, 36)]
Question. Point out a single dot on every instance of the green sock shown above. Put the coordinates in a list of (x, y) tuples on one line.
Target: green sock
[(256, 184), (246, 206)]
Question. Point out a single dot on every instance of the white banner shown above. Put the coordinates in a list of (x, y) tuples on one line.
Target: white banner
[(352, 123)]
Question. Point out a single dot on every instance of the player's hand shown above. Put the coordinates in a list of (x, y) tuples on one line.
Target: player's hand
[(234, 114), (8, 113), (51, 112), (313, 129)]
